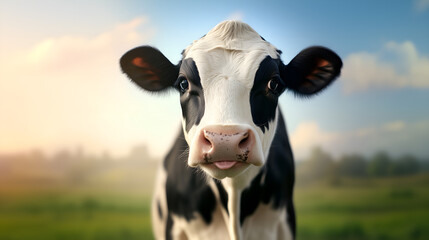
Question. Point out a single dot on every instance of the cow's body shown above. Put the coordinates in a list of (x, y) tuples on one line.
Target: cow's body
[(230, 173)]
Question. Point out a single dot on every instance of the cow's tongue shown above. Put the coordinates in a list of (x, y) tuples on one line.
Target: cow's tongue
[(225, 164)]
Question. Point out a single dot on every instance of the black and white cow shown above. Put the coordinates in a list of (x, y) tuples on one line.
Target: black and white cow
[(230, 173)]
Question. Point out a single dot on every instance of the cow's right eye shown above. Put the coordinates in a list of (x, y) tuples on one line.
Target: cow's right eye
[(183, 85)]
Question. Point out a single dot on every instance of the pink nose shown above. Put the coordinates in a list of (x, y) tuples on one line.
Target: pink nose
[(226, 144)]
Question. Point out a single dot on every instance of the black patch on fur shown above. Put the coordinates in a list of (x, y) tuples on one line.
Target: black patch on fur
[(263, 102), (169, 227), (279, 178), (158, 205), (222, 194), (187, 191), (192, 100)]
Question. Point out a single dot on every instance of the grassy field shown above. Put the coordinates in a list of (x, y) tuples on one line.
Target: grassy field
[(395, 208), (79, 215), (342, 209)]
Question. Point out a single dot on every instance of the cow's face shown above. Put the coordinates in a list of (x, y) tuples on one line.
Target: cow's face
[(229, 83)]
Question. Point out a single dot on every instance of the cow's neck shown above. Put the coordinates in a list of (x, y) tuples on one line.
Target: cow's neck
[(233, 221), (234, 187)]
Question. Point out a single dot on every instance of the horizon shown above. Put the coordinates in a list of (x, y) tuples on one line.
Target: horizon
[(143, 150)]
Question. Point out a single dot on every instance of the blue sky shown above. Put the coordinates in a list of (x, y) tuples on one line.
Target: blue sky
[(61, 87)]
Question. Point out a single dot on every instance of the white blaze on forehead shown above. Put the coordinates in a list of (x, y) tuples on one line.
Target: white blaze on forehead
[(232, 51), (233, 36)]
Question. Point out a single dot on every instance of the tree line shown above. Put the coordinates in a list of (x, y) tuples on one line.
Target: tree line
[(320, 164)]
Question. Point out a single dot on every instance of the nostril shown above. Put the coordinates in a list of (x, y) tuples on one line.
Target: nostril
[(205, 139), (244, 141)]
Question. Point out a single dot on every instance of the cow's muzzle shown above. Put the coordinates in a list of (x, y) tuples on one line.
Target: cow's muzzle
[(225, 147)]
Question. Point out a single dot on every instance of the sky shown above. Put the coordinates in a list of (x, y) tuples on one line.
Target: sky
[(61, 86)]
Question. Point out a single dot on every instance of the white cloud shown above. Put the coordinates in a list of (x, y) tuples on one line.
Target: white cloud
[(421, 5), (69, 91), (309, 134), (68, 52), (394, 126), (397, 65), (396, 137)]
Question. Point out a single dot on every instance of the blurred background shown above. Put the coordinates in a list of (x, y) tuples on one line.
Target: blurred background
[(80, 144)]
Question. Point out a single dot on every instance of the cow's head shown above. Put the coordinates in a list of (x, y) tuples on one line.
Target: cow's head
[(229, 82)]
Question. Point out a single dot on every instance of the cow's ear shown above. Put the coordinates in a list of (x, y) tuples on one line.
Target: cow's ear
[(149, 68), (312, 70)]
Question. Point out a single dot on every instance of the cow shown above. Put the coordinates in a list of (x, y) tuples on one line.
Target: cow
[(230, 173)]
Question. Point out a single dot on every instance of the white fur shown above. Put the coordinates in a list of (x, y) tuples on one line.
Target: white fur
[(266, 223), (197, 229)]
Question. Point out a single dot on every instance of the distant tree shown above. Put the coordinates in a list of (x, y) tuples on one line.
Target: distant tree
[(353, 165), (62, 156), (405, 165), (37, 155), (139, 153), (424, 165), (318, 165), (379, 164)]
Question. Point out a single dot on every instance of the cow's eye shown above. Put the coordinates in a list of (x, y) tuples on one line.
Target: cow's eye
[(273, 85), (183, 85)]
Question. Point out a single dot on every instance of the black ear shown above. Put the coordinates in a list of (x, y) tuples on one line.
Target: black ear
[(149, 68), (312, 70)]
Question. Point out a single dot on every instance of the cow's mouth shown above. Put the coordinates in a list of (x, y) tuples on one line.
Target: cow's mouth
[(220, 169), (225, 164)]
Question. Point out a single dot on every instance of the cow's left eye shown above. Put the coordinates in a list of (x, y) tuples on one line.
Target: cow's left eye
[(273, 85), (184, 85)]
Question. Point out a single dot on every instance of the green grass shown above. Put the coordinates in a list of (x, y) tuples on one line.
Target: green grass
[(364, 209), (395, 208), (61, 216)]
